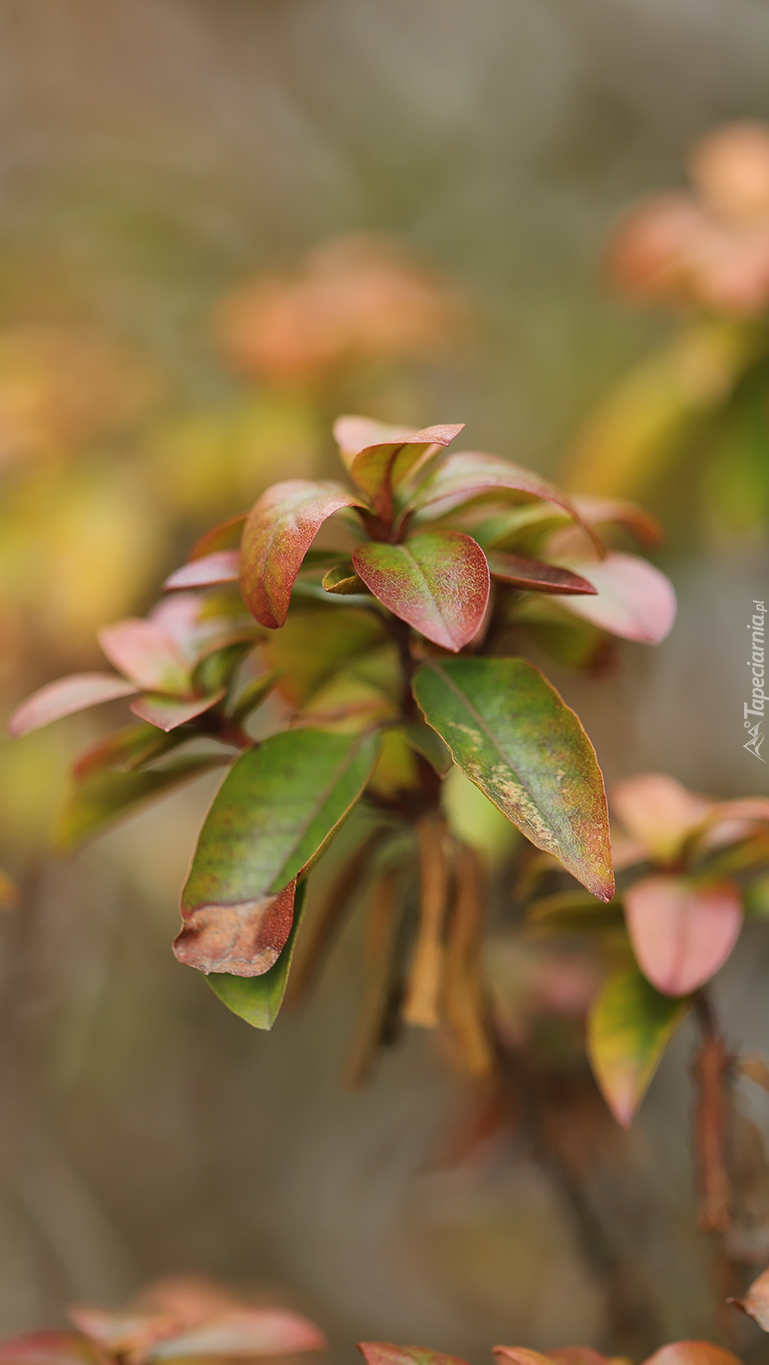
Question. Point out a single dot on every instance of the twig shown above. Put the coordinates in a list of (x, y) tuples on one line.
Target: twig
[(711, 1070), (421, 1007)]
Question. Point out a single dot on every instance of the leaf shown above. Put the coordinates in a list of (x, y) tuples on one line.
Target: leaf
[(253, 695), (438, 582), (221, 566), (245, 1332), (51, 1348), (658, 812), (429, 744), (64, 697), (756, 1301), (515, 738), (692, 1353), (258, 999), (471, 473), (280, 529), (584, 1355), (519, 1355), (536, 576), (378, 457), (276, 809), (147, 654), (634, 600), (126, 749), (104, 797), (630, 1026), (314, 644), (167, 713), (681, 933), (130, 1332), (384, 1353), (646, 528), (225, 536), (342, 579)]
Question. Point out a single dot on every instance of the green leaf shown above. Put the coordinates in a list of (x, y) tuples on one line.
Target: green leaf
[(258, 999), (253, 695), (273, 814), (629, 1028), (438, 582), (104, 797), (126, 749), (279, 531), (343, 580), (429, 744), (515, 738), (378, 457), (314, 644)]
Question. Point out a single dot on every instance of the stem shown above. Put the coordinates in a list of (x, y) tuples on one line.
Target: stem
[(711, 1070), (400, 632)]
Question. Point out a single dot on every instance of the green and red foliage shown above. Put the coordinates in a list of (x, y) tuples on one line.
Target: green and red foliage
[(380, 663)]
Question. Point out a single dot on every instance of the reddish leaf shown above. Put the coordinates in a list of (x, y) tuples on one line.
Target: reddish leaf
[(519, 1355), (534, 575), (634, 599), (279, 531), (225, 536), (681, 933), (64, 697), (438, 582), (245, 1332), (470, 473), (580, 1355), (692, 1353), (221, 566), (167, 713), (756, 1301), (385, 1353), (378, 457), (658, 813), (147, 655), (242, 939), (51, 1348)]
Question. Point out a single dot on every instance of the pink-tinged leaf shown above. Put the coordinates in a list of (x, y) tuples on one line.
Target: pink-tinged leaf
[(535, 576), (756, 1301), (147, 655), (379, 457), (167, 713), (222, 566), (646, 528), (519, 1355), (658, 812), (582, 1355), (692, 1353), (437, 581), (225, 536), (64, 697), (385, 1353), (681, 933), (277, 535), (635, 600), (51, 1348), (629, 1027), (470, 474), (127, 1332), (245, 1332)]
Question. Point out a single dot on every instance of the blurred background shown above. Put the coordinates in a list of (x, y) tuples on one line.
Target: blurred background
[(221, 223)]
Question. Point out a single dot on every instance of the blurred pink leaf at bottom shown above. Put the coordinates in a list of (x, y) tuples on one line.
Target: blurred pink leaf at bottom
[(385, 1353), (245, 1332), (51, 1348), (681, 933), (692, 1353)]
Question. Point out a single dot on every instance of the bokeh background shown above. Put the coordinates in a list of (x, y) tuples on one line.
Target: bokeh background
[(221, 223)]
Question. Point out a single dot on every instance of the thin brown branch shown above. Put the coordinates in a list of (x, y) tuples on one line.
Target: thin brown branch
[(463, 987), (711, 1072), (423, 990), (381, 943)]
